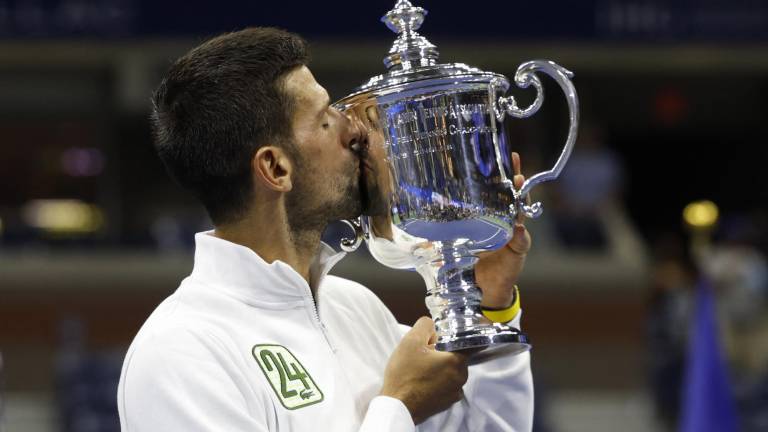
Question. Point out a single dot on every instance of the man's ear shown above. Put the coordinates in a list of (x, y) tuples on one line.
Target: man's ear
[(272, 168)]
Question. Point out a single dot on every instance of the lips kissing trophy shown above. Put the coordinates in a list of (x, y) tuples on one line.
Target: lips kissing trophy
[(435, 180)]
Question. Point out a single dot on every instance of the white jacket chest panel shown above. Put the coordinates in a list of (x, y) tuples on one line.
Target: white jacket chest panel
[(364, 334), (254, 329)]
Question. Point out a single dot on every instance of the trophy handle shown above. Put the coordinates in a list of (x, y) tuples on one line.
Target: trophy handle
[(350, 244), (524, 77)]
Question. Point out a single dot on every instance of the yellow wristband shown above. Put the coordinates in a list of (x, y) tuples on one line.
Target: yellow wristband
[(505, 315)]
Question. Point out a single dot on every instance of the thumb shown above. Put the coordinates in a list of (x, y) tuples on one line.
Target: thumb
[(521, 240), (423, 330)]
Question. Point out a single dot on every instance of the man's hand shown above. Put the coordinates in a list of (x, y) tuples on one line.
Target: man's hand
[(496, 272), (425, 380)]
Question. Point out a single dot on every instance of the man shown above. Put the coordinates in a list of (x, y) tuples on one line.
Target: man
[(259, 337)]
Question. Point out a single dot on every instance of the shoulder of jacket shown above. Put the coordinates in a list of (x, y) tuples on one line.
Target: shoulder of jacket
[(340, 288), (346, 294), (178, 338)]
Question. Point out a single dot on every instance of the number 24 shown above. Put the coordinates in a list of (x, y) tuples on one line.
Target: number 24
[(269, 360)]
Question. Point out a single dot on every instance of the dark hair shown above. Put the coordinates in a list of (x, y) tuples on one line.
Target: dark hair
[(217, 105)]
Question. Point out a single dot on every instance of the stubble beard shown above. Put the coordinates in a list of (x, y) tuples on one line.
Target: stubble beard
[(308, 207)]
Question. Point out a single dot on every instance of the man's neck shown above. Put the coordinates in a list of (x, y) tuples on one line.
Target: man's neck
[(272, 239)]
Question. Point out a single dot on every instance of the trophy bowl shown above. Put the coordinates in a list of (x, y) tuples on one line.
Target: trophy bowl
[(435, 178)]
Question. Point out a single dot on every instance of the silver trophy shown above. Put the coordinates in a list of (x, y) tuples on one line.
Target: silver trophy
[(437, 189)]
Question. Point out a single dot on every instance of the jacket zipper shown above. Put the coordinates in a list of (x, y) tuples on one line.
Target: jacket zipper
[(319, 323), (312, 300)]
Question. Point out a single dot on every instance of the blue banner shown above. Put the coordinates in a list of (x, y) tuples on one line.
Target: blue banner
[(708, 403)]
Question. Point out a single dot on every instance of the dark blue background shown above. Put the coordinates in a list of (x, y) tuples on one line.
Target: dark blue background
[(589, 20)]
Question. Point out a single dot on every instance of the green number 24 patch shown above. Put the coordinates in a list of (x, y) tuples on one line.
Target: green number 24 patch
[(289, 379)]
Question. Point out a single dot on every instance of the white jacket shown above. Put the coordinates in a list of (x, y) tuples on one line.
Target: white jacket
[(240, 346)]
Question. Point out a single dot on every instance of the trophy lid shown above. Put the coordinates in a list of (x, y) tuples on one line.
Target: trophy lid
[(412, 59), (410, 48)]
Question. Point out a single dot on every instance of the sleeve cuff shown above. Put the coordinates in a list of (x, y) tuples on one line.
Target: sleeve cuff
[(387, 414)]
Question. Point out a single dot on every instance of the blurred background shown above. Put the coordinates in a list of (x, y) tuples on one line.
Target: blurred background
[(674, 109)]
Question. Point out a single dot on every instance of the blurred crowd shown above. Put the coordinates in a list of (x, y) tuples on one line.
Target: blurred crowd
[(735, 265)]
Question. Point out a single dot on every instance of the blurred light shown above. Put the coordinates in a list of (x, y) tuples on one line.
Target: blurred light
[(82, 162), (63, 216), (701, 214), (670, 106), (1, 226)]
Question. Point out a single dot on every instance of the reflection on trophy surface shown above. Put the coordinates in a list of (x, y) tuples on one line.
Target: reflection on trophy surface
[(436, 184)]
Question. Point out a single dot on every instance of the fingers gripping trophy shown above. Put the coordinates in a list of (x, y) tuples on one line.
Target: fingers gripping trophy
[(436, 175)]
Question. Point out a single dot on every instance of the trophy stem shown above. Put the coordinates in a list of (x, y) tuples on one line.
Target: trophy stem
[(453, 299)]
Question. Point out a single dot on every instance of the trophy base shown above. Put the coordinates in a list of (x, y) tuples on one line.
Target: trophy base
[(453, 300), (489, 341)]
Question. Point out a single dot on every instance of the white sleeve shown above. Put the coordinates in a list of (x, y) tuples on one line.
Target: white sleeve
[(498, 396), (176, 382), (387, 414)]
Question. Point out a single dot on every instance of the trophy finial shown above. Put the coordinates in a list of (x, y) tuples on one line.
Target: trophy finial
[(404, 17), (410, 48)]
